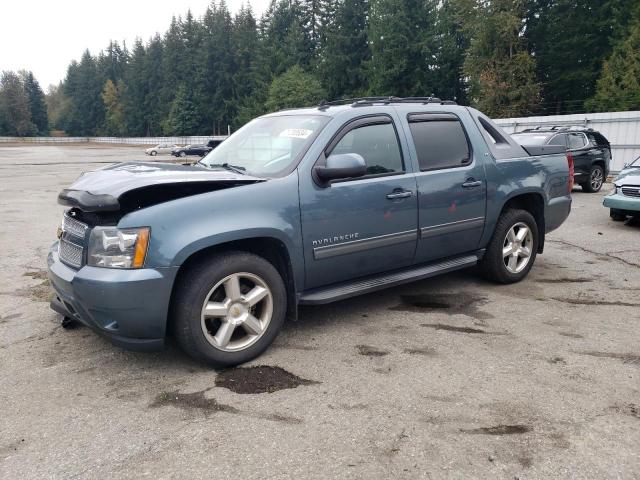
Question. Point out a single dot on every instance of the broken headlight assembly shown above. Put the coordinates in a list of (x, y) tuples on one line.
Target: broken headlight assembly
[(113, 247)]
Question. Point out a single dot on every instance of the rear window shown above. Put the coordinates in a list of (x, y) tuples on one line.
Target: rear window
[(576, 140), (440, 141)]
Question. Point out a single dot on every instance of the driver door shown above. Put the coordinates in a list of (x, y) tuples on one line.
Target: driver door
[(361, 226)]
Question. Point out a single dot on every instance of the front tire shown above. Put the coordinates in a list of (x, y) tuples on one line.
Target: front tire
[(229, 308), (596, 179), (153, 153), (512, 249), (182, 154), (617, 215)]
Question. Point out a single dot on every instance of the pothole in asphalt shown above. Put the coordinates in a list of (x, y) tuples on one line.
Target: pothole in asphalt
[(499, 430), (369, 351), (259, 379), (459, 303), (564, 280), (451, 328)]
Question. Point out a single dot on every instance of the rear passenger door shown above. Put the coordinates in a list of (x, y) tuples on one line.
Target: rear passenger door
[(451, 187)]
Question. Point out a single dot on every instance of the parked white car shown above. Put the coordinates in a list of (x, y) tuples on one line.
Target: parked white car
[(160, 148)]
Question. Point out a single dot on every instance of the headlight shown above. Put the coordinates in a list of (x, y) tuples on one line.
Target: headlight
[(118, 248)]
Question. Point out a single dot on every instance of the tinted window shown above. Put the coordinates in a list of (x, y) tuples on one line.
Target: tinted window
[(377, 144), (576, 140), (440, 144), (558, 140)]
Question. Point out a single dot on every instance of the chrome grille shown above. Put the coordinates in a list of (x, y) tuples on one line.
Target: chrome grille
[(73, 226), (631, 191), (70, 253)]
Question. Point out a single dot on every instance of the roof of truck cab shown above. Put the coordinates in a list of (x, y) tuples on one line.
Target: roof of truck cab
[(340, 110)]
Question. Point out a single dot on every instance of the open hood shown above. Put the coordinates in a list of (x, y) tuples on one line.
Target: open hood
[(129, 186)]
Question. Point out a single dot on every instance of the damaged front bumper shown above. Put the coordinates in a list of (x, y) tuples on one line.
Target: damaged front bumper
[(129, 307)]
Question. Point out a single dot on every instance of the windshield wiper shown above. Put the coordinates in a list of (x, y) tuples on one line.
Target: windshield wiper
[(228, 166)]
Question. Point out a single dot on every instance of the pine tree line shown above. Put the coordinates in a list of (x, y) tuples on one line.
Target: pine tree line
[(23, 111), (506, 57)]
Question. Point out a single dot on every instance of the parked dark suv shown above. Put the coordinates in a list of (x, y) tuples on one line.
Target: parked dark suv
[(590, 150)]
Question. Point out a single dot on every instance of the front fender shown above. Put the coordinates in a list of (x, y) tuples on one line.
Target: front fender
[(182, 227)]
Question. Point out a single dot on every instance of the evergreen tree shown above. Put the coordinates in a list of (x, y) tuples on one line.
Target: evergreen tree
[(83, 86), (570, 40), (294, 88), (15, 117), (133, 98), (447, 56), (501, 71), (286, 41), (401, 38), (618, 87), (218, 106), (37, 105), (249, 86), (347, 51), (184, 116)]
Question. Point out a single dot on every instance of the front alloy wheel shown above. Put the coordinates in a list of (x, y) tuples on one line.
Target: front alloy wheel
[(237, 312), (228, 308)]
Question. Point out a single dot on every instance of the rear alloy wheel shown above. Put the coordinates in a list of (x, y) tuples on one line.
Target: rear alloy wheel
[(229, 308), (596, 179), (512, 249)]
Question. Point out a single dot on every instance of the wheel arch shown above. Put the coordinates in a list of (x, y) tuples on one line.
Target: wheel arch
[(272, 249), (532, 202)]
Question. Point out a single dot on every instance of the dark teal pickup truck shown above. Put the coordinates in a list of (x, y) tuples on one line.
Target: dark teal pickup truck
[(302, 206)]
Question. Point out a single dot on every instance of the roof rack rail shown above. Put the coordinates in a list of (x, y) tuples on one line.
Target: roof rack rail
[(365, 101), (558, 128)]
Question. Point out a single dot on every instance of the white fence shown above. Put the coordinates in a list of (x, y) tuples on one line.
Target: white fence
[(622, 129), (116, 140)]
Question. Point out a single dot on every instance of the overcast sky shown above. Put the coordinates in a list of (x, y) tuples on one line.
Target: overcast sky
[(45, 35)]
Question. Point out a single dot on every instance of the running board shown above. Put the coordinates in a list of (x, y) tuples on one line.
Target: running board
[(378, 282)]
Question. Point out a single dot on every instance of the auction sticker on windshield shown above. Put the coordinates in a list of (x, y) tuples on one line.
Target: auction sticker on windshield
[(296, 133)]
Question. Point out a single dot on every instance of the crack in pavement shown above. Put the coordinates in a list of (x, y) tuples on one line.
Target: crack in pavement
[(626, 262)]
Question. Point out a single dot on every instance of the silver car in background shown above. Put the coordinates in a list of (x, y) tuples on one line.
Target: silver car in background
[(160, 148)]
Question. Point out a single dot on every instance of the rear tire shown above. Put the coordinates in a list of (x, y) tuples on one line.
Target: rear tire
[(596, 179), (512, 249), (229, 308), (617, 215)]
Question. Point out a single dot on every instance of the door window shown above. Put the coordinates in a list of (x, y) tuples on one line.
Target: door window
[(377, 144), (440, 143), (559, 140)]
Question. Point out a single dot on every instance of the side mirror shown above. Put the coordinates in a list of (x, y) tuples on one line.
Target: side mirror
[(341, 165)]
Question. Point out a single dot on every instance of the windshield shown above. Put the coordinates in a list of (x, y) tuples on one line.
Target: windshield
[(529, 138), (267, 146), (635, 163)]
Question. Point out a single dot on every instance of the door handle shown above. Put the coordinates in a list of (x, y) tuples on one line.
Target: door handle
[(471, 183), (399, 194)]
